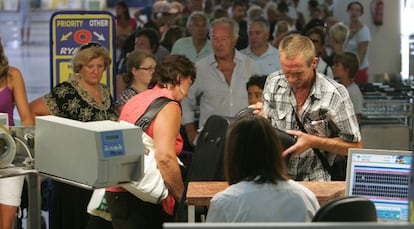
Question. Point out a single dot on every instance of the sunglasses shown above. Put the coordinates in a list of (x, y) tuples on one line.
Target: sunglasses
[(89, 45)]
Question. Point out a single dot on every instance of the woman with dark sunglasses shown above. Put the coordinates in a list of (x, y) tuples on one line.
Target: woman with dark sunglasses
[(84, 98)]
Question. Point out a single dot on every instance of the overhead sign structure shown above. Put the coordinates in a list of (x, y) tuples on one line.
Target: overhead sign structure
[(70, 30)]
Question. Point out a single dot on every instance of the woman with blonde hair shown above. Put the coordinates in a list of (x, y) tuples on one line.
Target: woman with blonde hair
[(83, 98), (282, 28), (337, 36)]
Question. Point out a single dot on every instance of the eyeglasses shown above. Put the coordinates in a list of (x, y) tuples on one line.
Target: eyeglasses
[(149, 69), (89, 45)]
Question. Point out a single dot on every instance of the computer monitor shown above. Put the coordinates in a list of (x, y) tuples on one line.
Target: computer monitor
[(383, 177)]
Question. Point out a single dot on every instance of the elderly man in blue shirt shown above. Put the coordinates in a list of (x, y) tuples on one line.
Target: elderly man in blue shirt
[(196, 46), (259, 49)]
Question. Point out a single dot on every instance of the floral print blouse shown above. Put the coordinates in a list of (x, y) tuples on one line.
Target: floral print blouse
[(69, 100)]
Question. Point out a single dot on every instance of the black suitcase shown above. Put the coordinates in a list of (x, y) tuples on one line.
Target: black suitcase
[(207, 160), (206, 164)]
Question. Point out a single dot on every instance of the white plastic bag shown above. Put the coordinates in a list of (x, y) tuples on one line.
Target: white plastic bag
[(150, 187), (97, 205)]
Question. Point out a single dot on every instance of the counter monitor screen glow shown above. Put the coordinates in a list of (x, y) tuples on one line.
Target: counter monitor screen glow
[(382, 176)]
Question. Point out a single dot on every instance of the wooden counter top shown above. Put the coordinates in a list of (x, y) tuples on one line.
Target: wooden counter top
[(200, 193)]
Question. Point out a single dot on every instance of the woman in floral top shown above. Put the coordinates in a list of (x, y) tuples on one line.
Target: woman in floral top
[(81, 98)]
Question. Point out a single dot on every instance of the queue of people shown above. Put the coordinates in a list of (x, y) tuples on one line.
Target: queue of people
[(207, 71)]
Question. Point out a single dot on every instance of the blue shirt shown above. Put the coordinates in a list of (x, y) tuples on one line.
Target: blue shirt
[(268, 62), (184, 46)]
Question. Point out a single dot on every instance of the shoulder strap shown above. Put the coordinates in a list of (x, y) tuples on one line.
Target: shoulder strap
[(151, 112), (318, 153)]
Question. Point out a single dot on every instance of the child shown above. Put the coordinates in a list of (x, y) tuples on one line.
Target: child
[(254, 88), (346, 67)]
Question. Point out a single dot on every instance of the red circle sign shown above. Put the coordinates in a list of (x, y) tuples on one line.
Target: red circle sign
[(82, 36)]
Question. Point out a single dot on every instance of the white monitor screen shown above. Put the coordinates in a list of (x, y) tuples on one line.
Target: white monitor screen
[(383, 177)]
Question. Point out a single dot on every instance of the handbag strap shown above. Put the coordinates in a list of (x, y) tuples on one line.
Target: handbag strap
[(151, 112), (323, 159)]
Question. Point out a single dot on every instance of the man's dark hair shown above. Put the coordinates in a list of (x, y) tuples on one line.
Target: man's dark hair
[(258, 80), (153, 37), (317, 30)]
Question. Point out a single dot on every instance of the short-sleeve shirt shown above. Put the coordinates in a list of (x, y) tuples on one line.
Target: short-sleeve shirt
[(356, 97), (268, 62), (69, 100), (184, 46), (328, 103), (247, 201), (125, 96)]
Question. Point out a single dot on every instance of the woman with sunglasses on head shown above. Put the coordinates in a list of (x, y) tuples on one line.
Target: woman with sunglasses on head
[(172, 78), (12, 94), (81, 98)]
